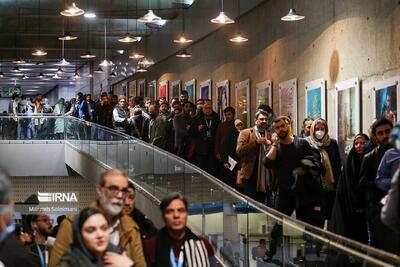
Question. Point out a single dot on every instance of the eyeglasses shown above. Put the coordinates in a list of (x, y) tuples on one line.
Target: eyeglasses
[(45, 220), (114, 191)]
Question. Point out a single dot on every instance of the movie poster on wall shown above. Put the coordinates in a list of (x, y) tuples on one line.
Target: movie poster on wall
[(124, 89), (288, 101), (190, 87), (176, 89), (151, 90), (132, 88), (142, 88), (242, 103), (315, 99), (348, 110), (163, 89), (386, 99), (205, 90), (222, 98), (264, 93)]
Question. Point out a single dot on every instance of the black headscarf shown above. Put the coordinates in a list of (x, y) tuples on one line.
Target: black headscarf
[(79, 254)]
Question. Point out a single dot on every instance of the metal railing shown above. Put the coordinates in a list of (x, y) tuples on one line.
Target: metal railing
[(231, 221)]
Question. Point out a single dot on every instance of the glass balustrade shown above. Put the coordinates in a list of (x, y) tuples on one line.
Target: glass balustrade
[(233, 223)]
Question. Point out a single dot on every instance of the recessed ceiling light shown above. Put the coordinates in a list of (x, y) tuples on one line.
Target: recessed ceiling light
[(90, 15)]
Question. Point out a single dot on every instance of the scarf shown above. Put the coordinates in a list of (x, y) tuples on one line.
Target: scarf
[(261, 171), (193, 249), (328, 179)]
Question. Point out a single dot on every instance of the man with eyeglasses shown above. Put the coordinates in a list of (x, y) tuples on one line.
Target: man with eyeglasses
[(111, 190), (121, 120), (41, 225)]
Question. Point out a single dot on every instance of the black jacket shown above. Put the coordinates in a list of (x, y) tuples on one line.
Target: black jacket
[(103, 115), (204, 145), (147, 228), (15, 254)]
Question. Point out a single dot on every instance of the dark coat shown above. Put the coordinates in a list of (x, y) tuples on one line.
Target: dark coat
[(14, 254), (204, 145)]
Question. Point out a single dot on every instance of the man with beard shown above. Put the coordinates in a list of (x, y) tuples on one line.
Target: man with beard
[(299, 186), (41, 225), (251, 147), (111, 191), (378, 233)]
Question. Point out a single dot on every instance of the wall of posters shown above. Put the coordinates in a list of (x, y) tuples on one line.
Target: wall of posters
[(163, 89), (242, 102), (348, 110), (315, 99), (264, 93), (385, 99), (142, 88), (190, 87), (222, 98), (132, 88), (176, 89), (288, 101), (151, 90), (205, 90)]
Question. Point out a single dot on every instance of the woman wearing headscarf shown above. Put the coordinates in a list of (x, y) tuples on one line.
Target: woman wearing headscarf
[(91, 246), (330, 159), (348, 216)]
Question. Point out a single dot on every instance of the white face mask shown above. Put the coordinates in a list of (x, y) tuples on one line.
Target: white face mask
[(319, 134), (397, 144)]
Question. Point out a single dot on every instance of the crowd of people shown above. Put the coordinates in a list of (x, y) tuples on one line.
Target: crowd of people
[(110, 232), (268, 162)]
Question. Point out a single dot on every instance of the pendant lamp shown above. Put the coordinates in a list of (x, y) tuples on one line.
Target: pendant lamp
[(222, 18)]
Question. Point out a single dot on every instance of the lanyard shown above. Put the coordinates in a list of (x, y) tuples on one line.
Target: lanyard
[(42, 260), (173, 261), (208, 124), (258, 135)]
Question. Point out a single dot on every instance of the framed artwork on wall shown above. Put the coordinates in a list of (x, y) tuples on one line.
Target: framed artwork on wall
[(242, 102), (348, 108), (386, 99), (222, 98), (264, 93), (132, 88), (316, 99), (288, 101), (176, 89), (142, 88), (151, 90), (190, 87), (205, 90), (124, 89), (163, 89)]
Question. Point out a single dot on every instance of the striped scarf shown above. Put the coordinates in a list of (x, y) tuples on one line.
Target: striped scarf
[(194, 250)]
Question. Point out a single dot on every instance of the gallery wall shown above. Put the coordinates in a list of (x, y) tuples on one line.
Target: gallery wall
[(338, 40)]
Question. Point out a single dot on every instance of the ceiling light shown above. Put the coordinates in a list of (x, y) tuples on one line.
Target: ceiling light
[(146, 62), (156, 24), (72, 11), (67, 37), (113, 75), (128, 39), (105, 63), (90, 75), (1, 74), (184, 54), (120, 51), (292, 16), (18, 60), (62, 62), (60, 71), (15, 69), (76, 75), (182, 40), (39, 63), (90, 15), (140, 69), (99, 70), (88, 55), (149, 17), (25, 77), (56, 76), (40, 76), (238, 39), (39, 52), (136, 56), (222, 19)]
